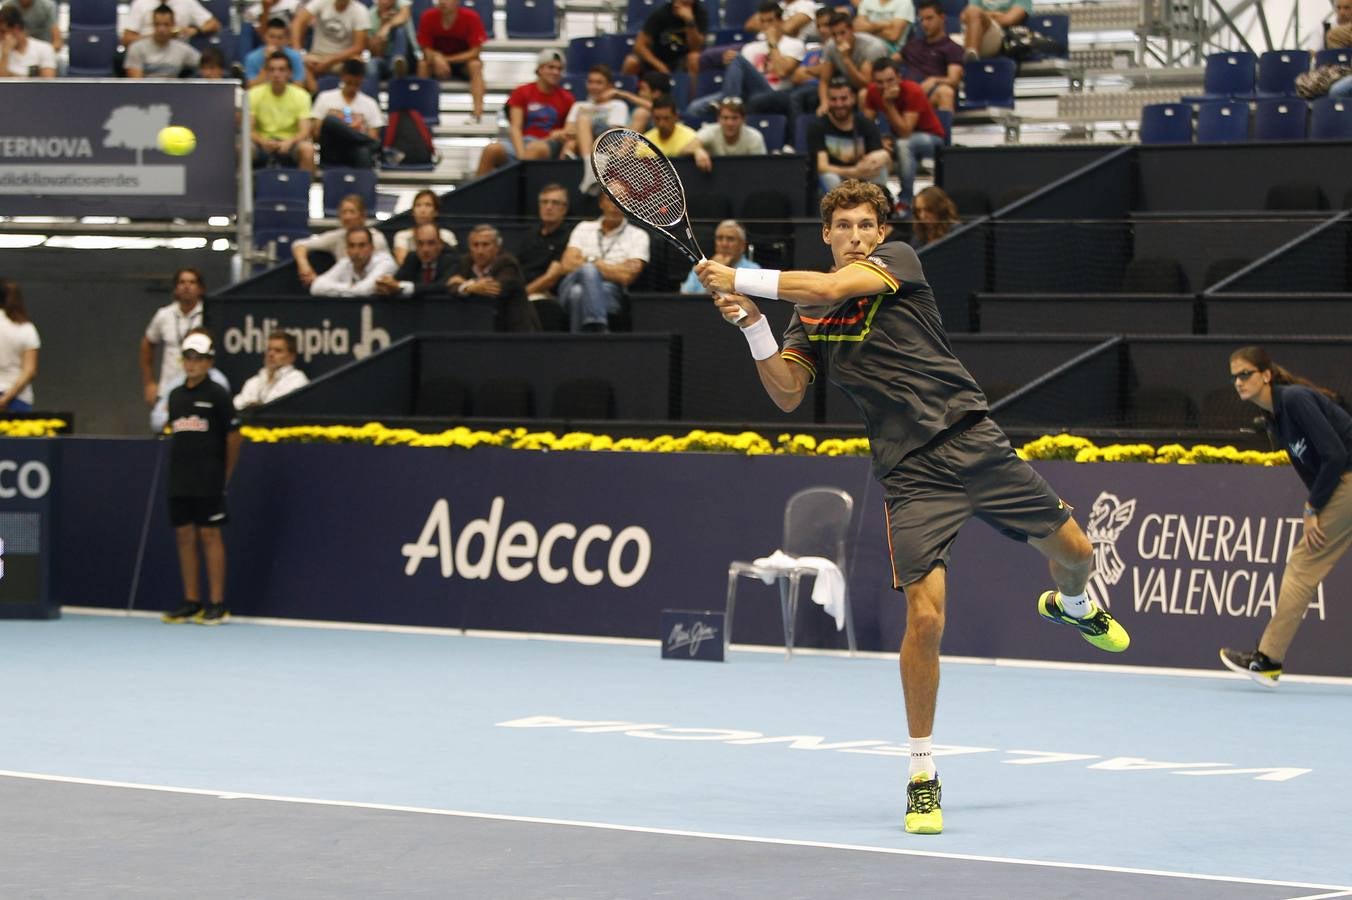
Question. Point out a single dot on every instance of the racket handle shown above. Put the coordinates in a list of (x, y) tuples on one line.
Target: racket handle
[(741, 314)]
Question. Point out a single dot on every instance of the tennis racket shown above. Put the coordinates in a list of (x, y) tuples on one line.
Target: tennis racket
[(643, 183)]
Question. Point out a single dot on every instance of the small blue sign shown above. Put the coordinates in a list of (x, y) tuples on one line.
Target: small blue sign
[(693, 634)]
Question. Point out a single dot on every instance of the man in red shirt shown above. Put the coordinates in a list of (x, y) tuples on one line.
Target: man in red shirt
[(451, 38), (536, 112), (916, 130)]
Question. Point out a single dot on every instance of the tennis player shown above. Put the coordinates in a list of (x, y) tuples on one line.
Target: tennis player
[(872, 326)]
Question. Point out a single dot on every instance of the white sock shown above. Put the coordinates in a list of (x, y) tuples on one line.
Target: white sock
[(1077, 607), (922, 757)]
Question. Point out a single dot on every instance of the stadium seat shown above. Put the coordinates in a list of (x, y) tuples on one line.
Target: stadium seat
[(93, 14), (771, 127), (1280, 120), (1163, 407), (532, 20), (442, 397), (945, 117), (616, 48), (733, 34), (623, 82), (637, 12), (736, 12), (989, 82), (485, 10), (1332, 120), (338, 183), (503, 398), (1055, 26), (1222, 121), (954, 7), (280, 242), (712, 7), (91, 52), (574, 83), (1154, 275), (1228, 74), (766, 217), (421, 94), (585, 52), (1221, 269), (972, 203), (1335, 56), (800, 126), (953, 24), (1277, 71), (220, 9), (709, 81), (680, 89), (1295, 197), (1011, 195), (282, 216), (1166, 123), (281, 186), (583, 398)]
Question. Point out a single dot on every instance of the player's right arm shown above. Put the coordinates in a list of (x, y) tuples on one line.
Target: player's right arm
[(861, 279)]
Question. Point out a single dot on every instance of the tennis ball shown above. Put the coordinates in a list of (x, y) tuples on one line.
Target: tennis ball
[(177, 140)]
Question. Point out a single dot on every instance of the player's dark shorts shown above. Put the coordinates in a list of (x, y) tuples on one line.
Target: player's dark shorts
[(205, 512), (968, 471)]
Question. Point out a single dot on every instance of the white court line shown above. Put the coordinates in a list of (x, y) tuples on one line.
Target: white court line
[(1322, 896), (323, 625), (1337, 890)]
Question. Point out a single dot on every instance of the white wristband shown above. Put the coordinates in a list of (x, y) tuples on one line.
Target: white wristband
[(760, 339), (757, 283)]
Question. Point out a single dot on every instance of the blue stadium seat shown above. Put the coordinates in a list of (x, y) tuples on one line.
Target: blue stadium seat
[(227, 41), (1280, 120), (680, 89), (485, 10), (954, 7), (733, 34), (419, 7), (585, 52), (772, 127), (637, 12), (1332, 119), (281, 186), (1222, 121), (282, 216), (281, 241), (615, 48), (800, 125), (736, 12), (625, 83), (574, 83), (422, 94), (91, 14), (338, 183), (946, 119), (1055, 26), (712, 7), (532, 19), (709, 81), (1337, 56), (1228, 74), (694, 122), (953, 24), (1166, 123), (220, 9), (989, 82), (91, 52), (1277, 71)]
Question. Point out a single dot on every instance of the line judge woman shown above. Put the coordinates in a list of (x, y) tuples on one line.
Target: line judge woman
[(1317, 434)]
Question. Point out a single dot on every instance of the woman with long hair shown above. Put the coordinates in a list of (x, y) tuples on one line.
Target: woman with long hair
[(18, 351), (933, 215), (426, 208), (1317, 434)]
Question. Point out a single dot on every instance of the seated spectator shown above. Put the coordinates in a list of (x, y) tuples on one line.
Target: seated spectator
[(651, 85), (672, 136), (276, 40), (933, 215), (536, 112), (280, 116), (848, 55), (933, 58), (278, 377), (1333, 80), (22, 56), (488, 272), (339, 33), (798, 17), (426, 207), (451, 39), (540, 252), (159, 413), (356, 274), (888, 20), (671, 39), (191, 18), (160, 55), (589, 117), (39, 20), (729, 249), (729, 136), (19, 344), (762, 71), (391, 37), (602, 259), (984, 23), (845, 144), (917, 132), (258, 13), (1342, 16), (348, 122), (351, 214), (426, 270), (211, 64)]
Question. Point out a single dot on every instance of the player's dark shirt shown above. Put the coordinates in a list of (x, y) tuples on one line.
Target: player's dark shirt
[(1317, 435), (200, 419), (890, 355)]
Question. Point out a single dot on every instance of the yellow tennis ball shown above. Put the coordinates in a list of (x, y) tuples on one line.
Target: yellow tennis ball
[(177, 140)]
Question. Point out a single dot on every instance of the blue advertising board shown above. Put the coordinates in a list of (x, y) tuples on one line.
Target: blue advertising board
[(29, 476)]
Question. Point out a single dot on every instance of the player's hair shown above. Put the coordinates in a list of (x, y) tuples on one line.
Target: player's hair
[(201, 282), (430, 194), (12, 300), (772, 7), (482, 227), (839, 18), (357, 201), (354, 229), (1258, 358), (606, 72), (280, 54), (659, 82), (162, 10), (291, 346), (275, 22), (945, 210), (852, 193), (354, 67), (666, 101)]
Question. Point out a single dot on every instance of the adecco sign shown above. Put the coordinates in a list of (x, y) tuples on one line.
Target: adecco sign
[(30, 479)]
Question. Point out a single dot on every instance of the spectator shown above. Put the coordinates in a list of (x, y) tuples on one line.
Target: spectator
[(356, 274), (917, 132), (275, 40), (845, 144), (349, 121), (587, 118), (159, 415), (278, 377), (536, 112), (191, 18), (339, 33), (847, 55), (671, 39), (280, 114), (1342, 15), (762, 72), (984, 23), (933, 58), (651, 85), (672, 136), (39, 20), (391, 37), (934, 214), (729, 249), (425, 271), (798, 18), (160, 55), (451, 39), (22, 56), (602, 259), (888, 20), (426, 207), (540, 252), (202, 456), (19, 345), (211, 64), (488, 272), (168, 327), (1334, 80), (729, 136), (351, 213), (259, 12)]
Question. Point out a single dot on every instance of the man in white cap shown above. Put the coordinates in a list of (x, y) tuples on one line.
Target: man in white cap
[(204, 447), (536, 112)]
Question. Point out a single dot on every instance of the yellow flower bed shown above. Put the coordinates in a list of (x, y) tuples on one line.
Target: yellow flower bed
[(747, 443), (30, 427)]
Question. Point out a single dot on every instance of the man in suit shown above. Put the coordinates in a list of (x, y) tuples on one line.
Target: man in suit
[(425, 271), (488, 272)]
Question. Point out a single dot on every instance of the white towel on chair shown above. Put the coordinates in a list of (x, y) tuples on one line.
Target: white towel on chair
[(828, 589)]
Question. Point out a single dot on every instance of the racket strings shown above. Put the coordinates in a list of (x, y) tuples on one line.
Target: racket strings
[(638, 178)]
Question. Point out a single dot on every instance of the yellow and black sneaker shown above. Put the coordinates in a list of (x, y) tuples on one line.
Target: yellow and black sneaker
[(1098, 628), (923, 815), (214, 614), (188, 612), (1257, 665)]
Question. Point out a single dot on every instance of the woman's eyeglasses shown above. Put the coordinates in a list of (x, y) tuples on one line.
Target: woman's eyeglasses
[(1244, 375)]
